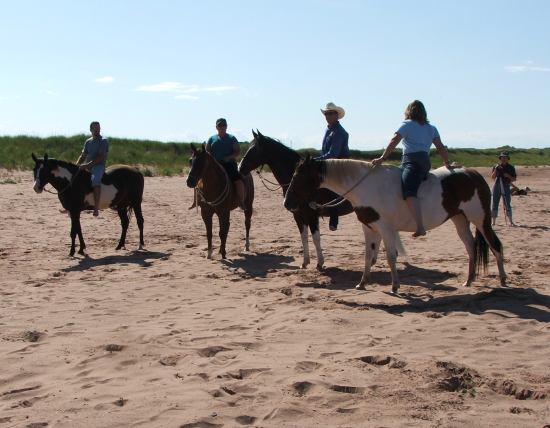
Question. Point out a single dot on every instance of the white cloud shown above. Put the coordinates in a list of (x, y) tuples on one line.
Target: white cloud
[(186, 97), (105, 79), (524, 68), (182, 91)]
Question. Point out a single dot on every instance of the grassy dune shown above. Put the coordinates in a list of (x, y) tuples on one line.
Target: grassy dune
[(157, 158)]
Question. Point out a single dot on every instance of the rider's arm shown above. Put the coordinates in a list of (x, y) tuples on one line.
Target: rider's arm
[(391, 147), (441, 150)]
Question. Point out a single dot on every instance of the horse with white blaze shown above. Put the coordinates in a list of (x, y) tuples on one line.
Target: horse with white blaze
[(459, 194)]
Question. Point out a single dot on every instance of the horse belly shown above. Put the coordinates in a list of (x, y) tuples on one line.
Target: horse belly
[(106, 198)]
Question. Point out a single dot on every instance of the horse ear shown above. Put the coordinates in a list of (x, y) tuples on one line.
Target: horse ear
[(193, 149), (45, 158), (34, 158), (308, 158), (203, 147), (254, 134), (259, 133)]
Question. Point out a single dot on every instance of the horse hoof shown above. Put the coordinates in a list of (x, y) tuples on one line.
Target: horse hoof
[(141, 248), (395, 290), (81, 252), (467, 284), (319, 267), (71, 253), (360, 287), (303, 266)]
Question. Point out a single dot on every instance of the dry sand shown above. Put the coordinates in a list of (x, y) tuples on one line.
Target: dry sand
[(167, 338)]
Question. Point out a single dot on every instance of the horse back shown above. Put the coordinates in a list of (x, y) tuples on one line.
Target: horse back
[(127, 179)]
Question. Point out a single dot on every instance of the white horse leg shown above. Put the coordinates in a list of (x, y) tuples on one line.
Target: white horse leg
[(305, 246), (372, 244), (389, 237), (316, 237), (462, 226)]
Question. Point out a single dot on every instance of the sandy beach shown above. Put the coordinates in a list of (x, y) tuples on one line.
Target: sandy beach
[(166, 338)]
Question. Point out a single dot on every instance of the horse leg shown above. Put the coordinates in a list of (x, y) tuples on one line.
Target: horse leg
[(207, 219), (124, 222), (305, 244), (316, 237), (389, 237), (224, 230), (372, 244), (75, 230), (139, 220), (247, 222), (462, 226)]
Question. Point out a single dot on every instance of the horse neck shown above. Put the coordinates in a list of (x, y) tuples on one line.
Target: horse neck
[(282, 162), (344, 176), (66, 175), (214, 177)]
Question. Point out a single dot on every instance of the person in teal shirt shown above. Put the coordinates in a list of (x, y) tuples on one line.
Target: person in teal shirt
[(225, 148)]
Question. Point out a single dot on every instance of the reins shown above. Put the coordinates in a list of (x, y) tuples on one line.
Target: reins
[(332, 204), (265, 180)]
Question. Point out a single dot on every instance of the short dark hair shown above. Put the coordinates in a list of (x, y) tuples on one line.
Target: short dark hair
[(416, 111), (95, 122), (221, 121)]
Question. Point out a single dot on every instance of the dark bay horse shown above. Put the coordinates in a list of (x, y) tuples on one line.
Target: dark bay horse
[(461, 195), (282, 161), (217, 195), (121, 190)]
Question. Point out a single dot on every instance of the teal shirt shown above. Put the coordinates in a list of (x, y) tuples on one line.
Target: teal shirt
[(222, 147)]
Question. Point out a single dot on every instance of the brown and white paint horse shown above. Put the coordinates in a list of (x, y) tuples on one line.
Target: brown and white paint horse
[(461, 195), (121, 190), (216, 194)]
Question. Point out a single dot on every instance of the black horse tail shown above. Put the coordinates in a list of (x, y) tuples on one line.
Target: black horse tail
[(481, 253)]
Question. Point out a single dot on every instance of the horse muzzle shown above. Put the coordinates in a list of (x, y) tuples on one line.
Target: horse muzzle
[(191, 181), (37, 188)]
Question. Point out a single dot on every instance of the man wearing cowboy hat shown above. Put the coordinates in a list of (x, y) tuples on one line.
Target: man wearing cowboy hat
[(335, 145), (504, 174)]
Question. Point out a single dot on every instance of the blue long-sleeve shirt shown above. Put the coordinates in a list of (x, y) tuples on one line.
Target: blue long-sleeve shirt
[(335, 143)]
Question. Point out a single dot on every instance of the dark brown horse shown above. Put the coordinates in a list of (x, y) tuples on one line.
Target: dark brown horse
[(217, 195), (121, 190), (282, 161)]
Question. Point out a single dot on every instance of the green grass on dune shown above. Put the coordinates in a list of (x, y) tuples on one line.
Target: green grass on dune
[(158, 158)]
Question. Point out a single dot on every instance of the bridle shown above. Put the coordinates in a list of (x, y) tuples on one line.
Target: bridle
[(60, 192), (225, 192)]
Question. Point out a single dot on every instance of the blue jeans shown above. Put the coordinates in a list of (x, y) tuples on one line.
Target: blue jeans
[(497, 194), (414, 169)]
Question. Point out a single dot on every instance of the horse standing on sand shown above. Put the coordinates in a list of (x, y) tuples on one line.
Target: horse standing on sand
[(282, 161), (216, 194), (461, 195), (121, 190)]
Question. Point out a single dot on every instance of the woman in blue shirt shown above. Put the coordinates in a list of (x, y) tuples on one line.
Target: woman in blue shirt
[(418, 136)]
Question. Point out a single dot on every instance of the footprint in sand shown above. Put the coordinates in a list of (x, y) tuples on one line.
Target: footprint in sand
[(379, 360), (307, 366), (211, 351), (245, 420)]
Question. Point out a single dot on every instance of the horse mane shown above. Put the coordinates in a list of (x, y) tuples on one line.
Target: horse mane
[(281, 147), (346, 169)]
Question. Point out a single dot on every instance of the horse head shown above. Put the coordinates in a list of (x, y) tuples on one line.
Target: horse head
[(305, 181), (254, 156), (198, 161), (41, 172)]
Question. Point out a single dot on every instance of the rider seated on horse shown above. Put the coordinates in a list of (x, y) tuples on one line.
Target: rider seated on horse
[(225, 148)]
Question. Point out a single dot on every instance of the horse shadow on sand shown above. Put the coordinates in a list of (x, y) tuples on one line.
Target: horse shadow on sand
[(137, 257), (534, 227), (258, 265), (524, 303), (341, 279)]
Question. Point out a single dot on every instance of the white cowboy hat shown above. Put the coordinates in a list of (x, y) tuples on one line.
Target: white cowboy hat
[(333, 107)]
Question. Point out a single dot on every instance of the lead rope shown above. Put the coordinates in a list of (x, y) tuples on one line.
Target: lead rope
[(264, 180)]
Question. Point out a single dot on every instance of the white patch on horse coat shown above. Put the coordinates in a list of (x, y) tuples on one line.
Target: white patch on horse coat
[(108, 194), (61, 172), (316, 237), (37, 188)]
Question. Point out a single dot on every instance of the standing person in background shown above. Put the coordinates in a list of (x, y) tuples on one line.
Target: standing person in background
[(335, 146), (504, 175), (225, 149), (418, 136), (94, 159)]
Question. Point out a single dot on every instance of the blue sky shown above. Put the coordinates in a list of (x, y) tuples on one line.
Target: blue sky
[(165, 70)]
